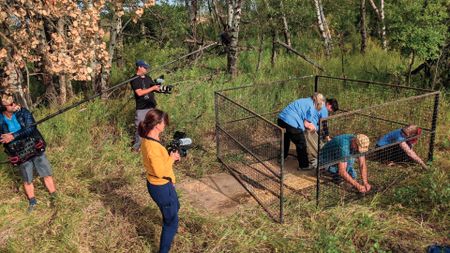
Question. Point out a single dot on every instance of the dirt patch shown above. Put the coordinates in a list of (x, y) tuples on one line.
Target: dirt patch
[(218, 193)]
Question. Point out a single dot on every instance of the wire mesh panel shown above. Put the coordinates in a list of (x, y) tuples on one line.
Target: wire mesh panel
[(250, 145), (251, 149), (271, 97), (396, 147), (358, 94)]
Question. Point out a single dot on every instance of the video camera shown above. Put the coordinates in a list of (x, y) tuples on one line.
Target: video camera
[(164, 89), (180, 143)]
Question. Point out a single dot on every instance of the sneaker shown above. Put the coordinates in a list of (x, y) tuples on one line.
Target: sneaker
[(337, 179), (31, 207), (310, 167)]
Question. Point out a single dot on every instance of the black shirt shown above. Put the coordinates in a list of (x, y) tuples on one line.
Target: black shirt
[(146, 101)]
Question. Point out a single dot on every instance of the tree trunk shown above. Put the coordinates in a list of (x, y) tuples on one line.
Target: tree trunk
[(27, 88), (381, 24), (142, 30), (62, 89), (362, 24), (69, 86), (234, 17), (18, 88), (119, 46), (62, 78), (323, 27), (218, 14), (287, 35), (411, 63), (260, 50), (192, 6), (273, 56), (115, 29), (48, 79)]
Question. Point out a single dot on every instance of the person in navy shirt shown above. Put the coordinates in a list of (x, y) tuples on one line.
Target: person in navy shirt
[(404, 150), (301, 120)]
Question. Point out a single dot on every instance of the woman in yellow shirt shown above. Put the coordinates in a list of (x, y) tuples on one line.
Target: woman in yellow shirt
[(160, 177)]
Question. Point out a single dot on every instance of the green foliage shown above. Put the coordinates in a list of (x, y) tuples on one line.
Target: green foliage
[(418, 26), (104, 205), (428, 195), (164, 23)]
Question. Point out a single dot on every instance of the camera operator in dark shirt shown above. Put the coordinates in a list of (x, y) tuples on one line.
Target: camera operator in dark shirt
[(143, 88)]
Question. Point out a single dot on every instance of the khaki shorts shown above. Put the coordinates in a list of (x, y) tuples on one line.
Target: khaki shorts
[(40, 163)]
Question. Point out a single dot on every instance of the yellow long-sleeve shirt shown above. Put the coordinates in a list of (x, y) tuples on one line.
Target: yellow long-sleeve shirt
[(157, 162)]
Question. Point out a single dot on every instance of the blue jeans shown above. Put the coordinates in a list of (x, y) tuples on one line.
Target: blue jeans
[(166, 198), (334, 168)]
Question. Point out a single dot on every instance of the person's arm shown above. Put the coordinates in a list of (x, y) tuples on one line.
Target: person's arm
[(325, 130), (308, 125), (161, 163), (142, 92), (412, 154), (363, 169), (342, 166), (28, 127)]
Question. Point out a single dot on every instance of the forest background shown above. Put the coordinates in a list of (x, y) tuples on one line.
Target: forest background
[(54, 53)]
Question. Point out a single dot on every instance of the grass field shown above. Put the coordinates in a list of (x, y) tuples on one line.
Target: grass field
[(103, 204)]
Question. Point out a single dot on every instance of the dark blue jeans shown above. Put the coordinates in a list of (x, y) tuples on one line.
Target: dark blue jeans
[(166, 198)]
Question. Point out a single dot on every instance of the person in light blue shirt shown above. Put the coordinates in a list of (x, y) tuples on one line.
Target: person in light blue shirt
[(403, 152), (300, 118)]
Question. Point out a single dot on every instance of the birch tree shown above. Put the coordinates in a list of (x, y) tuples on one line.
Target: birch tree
[(232, 31), (323, 26), (287, 34), (362, 26), (380, 17)]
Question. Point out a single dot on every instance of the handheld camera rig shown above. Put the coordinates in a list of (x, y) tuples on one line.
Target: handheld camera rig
[(180, 143)]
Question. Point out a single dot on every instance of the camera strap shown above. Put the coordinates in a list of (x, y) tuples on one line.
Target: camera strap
[(153, 139)]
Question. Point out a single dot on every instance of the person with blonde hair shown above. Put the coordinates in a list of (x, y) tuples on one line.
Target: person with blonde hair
[(406, 137), (301, 121), (18, 125)]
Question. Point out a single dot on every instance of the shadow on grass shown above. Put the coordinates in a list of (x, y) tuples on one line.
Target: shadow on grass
[(115, 195)]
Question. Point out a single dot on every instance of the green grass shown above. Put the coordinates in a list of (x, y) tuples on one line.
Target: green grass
[(104, 206)]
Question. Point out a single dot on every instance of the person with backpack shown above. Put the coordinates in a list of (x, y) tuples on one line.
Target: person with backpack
[(25, 147)]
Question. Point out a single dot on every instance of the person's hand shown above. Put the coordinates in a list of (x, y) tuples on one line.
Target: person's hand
[(362, 188), (424, 166), (328, 138), (175, 156), (157, 87), (6, 138), (310, 126), (368, 187)]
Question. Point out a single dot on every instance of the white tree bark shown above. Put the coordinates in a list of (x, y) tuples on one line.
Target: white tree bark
[(362, 27), (234, 17), (323, 26), (287, 35), (380, 17)]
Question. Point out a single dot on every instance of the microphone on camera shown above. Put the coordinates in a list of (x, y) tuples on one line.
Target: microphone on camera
[(185, 141)]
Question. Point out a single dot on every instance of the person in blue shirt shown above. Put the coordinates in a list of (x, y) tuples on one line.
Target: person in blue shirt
[(404, 150), (16, 124), (340, 154), (301, 120)]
